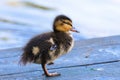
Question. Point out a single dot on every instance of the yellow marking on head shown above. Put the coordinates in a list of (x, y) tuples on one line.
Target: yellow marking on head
[(35, 50), (62, 25)]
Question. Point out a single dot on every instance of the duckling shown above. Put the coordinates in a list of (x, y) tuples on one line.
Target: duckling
[(45, 48)]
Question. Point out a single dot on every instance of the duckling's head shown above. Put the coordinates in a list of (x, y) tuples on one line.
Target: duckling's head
[(63, 24)]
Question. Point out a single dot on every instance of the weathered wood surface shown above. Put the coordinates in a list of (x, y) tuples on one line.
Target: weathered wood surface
[(93, 59)]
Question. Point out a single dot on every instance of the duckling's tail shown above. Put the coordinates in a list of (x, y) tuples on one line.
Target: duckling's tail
[(23, 59)]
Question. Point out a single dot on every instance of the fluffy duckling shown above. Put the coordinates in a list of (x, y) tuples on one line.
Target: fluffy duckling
[(45, 48)]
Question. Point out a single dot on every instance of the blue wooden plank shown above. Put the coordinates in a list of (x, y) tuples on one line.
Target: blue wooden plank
[(110, 71), (85, 52), (13, 52), (75, 57)]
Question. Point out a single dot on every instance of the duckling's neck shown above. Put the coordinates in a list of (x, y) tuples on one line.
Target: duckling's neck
[(63, 36)]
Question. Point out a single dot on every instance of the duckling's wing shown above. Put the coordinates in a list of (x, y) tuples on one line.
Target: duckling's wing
[(47, 45), (38, 46)]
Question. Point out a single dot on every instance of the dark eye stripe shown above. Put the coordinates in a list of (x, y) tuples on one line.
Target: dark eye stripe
[(66, 23)]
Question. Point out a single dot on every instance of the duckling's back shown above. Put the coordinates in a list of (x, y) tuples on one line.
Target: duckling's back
[(46, 47)]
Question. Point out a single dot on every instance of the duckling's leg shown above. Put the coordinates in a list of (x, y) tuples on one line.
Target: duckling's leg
[(47, 73)]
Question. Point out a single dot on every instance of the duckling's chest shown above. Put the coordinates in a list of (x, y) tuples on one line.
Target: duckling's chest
[(65, 44), (66, 47)]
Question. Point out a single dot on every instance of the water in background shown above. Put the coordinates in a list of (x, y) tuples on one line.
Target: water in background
[(22, 19)]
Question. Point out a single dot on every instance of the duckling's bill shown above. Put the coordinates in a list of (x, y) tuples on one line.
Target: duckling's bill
[(73, 30)]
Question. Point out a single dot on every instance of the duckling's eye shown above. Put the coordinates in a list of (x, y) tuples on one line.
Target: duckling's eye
[(63, 22), (68, 24)]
